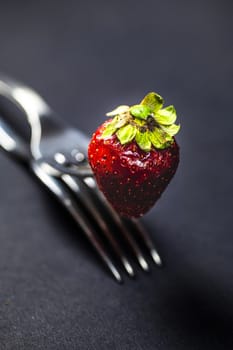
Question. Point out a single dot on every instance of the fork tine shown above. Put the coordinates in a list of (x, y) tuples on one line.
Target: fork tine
[(78, 187), (67, 201), (94, 241), (147, 241), (117, 219), (129, 238)]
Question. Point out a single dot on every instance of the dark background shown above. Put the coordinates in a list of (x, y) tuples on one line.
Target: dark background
[(86, 58)]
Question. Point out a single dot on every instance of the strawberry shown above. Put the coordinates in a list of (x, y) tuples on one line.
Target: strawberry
[(134, 155)]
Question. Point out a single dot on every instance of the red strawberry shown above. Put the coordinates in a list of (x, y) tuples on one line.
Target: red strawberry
[(134, 155)]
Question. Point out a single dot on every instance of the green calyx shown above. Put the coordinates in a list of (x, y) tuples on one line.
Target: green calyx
[(148, 123)]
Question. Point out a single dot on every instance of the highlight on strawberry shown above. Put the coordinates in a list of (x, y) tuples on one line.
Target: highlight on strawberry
[(134, 154)]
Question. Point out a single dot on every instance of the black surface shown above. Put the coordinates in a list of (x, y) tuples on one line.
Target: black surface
[(86, 58)]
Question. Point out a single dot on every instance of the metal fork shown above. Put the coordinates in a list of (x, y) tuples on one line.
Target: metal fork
[(56, 154)]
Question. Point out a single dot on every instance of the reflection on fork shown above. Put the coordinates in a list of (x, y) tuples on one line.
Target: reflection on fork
[(56, 153)]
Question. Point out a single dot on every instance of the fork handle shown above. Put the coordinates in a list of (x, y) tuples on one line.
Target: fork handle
[(32, 105), (13, 143), (39, 116)]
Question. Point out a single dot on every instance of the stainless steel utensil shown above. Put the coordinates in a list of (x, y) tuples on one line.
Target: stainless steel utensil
[(57, 154)]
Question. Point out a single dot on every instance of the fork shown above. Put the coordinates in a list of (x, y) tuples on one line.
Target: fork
[(57, 154)]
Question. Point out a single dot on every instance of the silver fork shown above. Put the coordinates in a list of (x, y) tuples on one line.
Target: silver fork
[(56, 153)]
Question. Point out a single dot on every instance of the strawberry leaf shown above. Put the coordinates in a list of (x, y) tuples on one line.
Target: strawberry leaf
[(154, 140), (143, 140), (118, 110), (163, 138), (171, 129), (140, 111), (109, 130), (153, 101), (120, 121), (126, 134), (166, 116)]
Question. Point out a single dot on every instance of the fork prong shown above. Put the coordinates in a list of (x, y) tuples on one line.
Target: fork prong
[(94, 241), (125, 232), (81, 190), (147, 241), (67, 201), (96, 244), (135, 223), (135, 248)]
